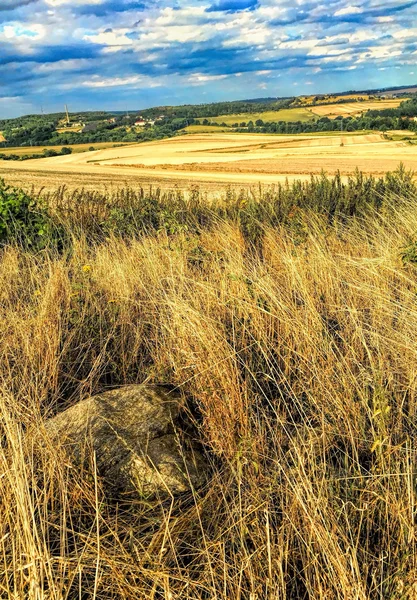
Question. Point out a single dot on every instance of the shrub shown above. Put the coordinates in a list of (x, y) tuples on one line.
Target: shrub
[(22, 218), (48, 152)]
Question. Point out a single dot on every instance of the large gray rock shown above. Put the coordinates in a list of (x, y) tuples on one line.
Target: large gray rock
[(132, 432)]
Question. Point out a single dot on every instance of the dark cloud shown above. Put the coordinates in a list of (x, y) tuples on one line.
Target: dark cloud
[(13, 4), (371, 12), (231, 6), (50, 54), (109, 7)]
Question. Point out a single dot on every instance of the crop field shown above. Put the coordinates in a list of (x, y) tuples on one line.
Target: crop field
[(76, 148), (204, 129), (209, 159), (353, 109), (307, 101), (306, 114), (273, 116)]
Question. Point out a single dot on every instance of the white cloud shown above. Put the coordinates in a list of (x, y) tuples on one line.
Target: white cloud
[(16, 31), (110, 38), (384, 19), (133, 81), (199, 78), (348, 10)]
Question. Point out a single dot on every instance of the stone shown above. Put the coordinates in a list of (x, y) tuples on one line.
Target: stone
[(132, 431)]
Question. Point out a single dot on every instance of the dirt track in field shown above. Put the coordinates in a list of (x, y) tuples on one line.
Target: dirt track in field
[(211, 160)]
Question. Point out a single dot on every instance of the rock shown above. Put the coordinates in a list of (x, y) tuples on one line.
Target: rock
[(132, 432)]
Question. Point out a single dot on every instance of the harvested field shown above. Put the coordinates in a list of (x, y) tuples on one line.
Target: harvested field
[(291, 114), (308, 112), (210, 159), (204, 129), (353, 109), (76, 148)]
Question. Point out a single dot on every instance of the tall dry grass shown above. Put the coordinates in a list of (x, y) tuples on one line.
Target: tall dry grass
[(298, 366)]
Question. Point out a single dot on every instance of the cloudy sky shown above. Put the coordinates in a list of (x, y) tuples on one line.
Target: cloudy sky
[(130, 54)]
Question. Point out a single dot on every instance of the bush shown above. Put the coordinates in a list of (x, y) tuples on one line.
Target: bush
[(48, 152), (22, 218)]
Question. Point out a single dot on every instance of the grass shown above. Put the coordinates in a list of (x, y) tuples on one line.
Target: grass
[(19, 151), (289, 115), (297, 361), (399, 136)]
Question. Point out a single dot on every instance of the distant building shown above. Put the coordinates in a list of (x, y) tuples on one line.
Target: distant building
[(90, 127)]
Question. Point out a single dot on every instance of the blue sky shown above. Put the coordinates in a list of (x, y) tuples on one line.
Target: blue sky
[(128, 54)]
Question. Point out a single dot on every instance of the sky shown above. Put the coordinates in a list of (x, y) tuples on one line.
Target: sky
[(132, 54)]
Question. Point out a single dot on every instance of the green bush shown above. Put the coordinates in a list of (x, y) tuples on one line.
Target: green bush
[(22, 218), (48, 152)]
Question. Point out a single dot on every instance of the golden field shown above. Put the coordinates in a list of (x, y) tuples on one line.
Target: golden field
[(353, 109), (21, 151), (210, 159), (273, 116), (308, 112), (296, 357)]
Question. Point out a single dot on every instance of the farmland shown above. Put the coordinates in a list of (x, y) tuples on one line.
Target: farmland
[(353, 109), (309, 112), (76, 148), (289, 115), (210, 159)]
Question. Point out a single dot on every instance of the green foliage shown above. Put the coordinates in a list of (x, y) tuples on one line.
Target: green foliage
[(22, 218), (131, 213), (409, 253)]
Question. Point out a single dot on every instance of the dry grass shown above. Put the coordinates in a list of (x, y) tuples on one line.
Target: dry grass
[(298, 365)]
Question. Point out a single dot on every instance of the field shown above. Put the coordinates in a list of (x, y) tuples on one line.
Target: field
[(410, 90), (21, 151), (205, 129), (220, 158), (305, 114), (291, 114), (353, 109), (287, 319), (308, 100)]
